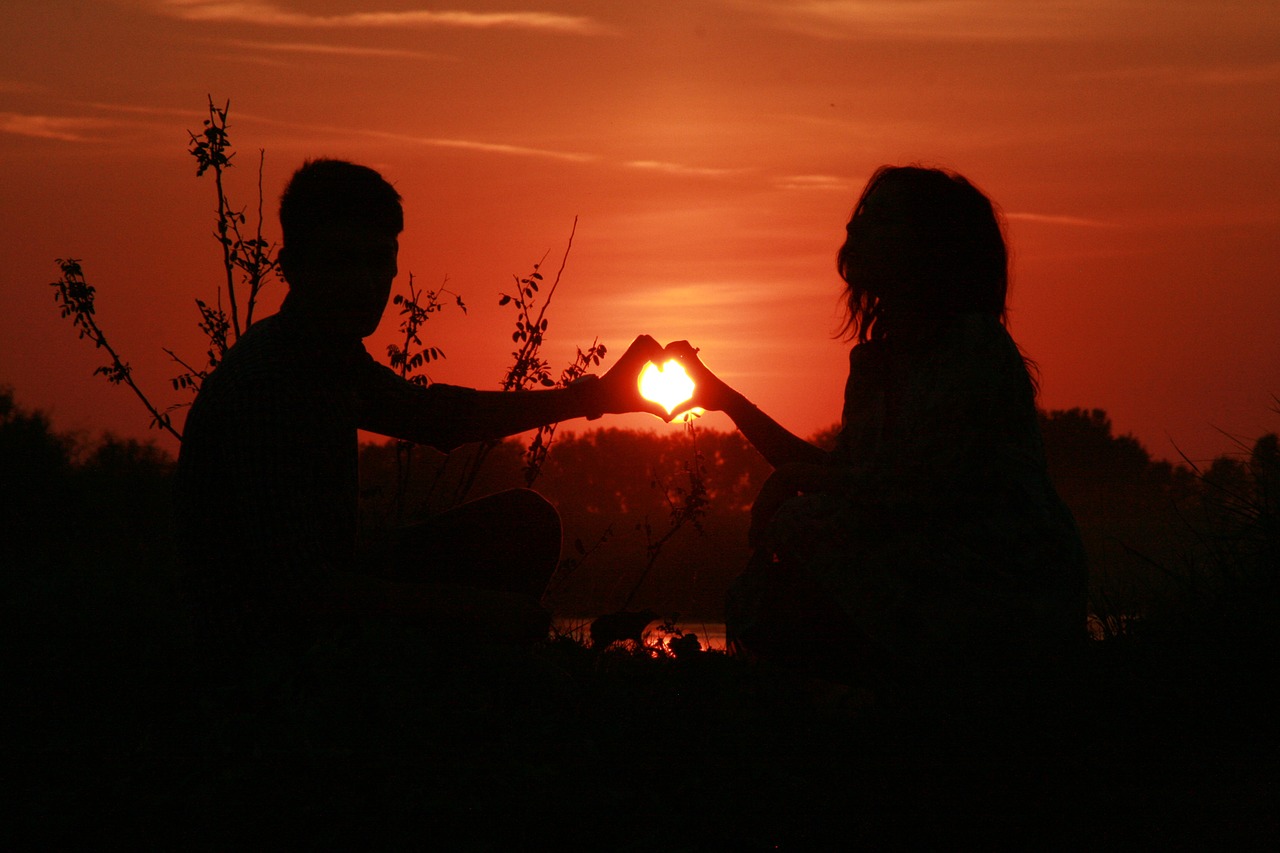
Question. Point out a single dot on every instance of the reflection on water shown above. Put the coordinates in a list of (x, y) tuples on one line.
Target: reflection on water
[(710, 634), (1113, 625)]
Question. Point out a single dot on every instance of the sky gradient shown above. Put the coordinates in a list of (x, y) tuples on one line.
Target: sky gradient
[(711, 152)]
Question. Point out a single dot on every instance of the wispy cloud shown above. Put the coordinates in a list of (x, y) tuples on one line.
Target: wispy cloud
[(270, 15), (1237, 75), (813, 182), (334, 50), (18, 87), (430, 141), (996, 20), (1181, 75), (63, 128), (680, 169), (1051, 219), (121, 115), (712, 301), (139, 109), (71, 130), (493, 148)]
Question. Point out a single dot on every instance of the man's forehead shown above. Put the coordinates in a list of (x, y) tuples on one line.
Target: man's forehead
[(349, 235)]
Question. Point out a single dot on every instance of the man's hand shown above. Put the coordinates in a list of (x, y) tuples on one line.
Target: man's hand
[(619, 389)]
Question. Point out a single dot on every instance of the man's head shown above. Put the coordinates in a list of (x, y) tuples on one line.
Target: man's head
[(341, 222)]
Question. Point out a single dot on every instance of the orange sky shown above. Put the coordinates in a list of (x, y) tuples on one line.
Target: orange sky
[(711, 150)]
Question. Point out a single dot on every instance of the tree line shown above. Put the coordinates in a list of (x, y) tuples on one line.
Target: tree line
[(652, 519)]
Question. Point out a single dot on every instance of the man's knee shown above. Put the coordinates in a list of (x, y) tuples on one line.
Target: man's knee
[(527, 509)]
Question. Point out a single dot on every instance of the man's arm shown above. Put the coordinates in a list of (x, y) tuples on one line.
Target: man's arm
[(446, 416)]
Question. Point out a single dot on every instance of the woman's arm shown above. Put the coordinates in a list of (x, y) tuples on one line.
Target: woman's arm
[(778, 445)]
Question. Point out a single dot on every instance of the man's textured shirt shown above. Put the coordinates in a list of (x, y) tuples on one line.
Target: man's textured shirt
[(268, 488)]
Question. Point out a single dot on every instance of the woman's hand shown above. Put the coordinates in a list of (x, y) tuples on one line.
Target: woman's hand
[(709, 391), (783, 484), (618, 390), (774, 441)]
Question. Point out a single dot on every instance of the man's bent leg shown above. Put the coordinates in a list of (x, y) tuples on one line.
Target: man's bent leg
[(507, 541)]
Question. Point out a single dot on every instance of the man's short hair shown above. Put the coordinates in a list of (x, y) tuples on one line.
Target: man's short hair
[(324, 192)]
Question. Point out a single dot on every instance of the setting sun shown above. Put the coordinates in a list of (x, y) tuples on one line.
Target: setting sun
[(668, 385)]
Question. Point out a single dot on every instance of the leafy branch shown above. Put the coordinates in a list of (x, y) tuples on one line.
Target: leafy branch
[(540, 445), (75, 298), (688, 506), (246, 258), (252, 257), (570, 564), (528, 368), (409, 358), (415, 309)]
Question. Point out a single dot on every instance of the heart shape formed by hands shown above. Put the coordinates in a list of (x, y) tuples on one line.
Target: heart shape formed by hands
[(667, 385)]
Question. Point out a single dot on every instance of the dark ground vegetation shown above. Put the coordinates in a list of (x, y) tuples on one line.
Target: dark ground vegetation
[(1161, 734)]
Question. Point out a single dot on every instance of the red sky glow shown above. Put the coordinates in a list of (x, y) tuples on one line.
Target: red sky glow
[(711, 151)]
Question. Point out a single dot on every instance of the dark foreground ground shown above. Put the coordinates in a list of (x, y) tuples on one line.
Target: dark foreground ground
[(383, 740)]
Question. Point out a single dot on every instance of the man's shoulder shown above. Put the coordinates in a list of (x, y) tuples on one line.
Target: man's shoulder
[(257, 368), (266, 348), (266, 334)]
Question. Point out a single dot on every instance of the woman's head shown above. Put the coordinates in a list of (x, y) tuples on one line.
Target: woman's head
[(921, 244)]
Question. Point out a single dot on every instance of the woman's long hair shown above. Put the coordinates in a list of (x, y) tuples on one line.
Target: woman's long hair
[(922, 244)]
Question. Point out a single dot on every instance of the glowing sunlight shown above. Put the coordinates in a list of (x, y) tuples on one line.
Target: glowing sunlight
[(668, 386)]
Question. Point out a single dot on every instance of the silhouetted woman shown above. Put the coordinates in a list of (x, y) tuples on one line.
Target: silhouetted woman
[(930, 535)]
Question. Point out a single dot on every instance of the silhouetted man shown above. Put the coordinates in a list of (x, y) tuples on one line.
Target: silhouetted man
[(267, 471)]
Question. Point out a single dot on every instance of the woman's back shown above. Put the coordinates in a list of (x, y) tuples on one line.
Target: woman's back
[(946, 497), (956, 403)]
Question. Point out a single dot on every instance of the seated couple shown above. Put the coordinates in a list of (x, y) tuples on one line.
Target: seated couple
[(930, 522)]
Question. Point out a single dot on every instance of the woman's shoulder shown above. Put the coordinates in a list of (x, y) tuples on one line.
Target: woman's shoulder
[(974, 327), (868, 353), (971, 340), (975, 337)]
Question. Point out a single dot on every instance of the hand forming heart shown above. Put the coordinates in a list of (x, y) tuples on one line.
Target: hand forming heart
[(667, 385)]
